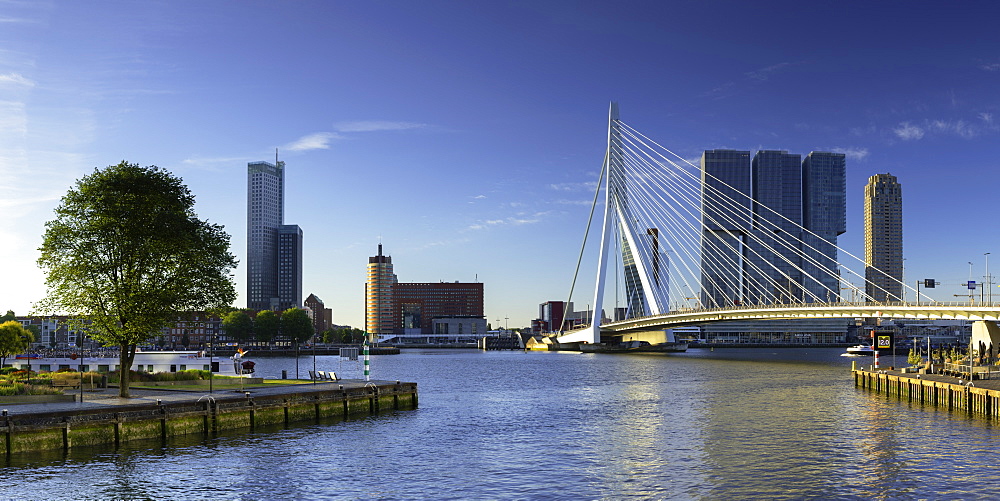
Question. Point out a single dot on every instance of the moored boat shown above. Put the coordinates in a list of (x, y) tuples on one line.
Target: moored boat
[(861, 349), (145, 361)]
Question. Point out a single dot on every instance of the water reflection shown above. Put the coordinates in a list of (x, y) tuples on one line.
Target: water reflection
[(703, 425)]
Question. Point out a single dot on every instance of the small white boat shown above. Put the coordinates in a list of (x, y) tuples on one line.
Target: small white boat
[(861, 349), (145, 361)]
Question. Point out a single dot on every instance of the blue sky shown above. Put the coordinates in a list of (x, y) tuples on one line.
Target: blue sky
[(468, 135)]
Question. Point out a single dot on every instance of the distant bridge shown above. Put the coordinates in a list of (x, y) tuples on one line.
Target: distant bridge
[(675, 229)]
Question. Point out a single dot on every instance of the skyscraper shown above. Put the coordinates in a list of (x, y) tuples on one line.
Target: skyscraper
[(824, 183), (378, 294), (725, 199), (265, 214), (755, 213), (289, 266), (274, 263), (883, 238), (775, 264)]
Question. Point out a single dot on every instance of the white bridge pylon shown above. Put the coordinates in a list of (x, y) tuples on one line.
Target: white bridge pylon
[(646, 291), (728, 249)]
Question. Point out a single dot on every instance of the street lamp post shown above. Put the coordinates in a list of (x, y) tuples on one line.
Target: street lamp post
[(211, 360), (989, 282), (972, 292)]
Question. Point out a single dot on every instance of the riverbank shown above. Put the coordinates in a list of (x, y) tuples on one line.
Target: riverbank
[(105, 418), (303, 351)]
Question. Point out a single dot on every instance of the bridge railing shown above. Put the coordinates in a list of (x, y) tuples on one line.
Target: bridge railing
[(853, 304)]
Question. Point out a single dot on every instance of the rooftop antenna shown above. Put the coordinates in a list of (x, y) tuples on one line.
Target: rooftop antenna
[(276, 157)]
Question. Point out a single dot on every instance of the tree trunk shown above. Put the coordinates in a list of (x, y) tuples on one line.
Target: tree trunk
[(126, 355)]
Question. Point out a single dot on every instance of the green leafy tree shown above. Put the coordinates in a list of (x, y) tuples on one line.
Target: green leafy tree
[(328, 336), (357, 335), (266, 326), (8, 317), (126, 251), (185, 341), (14, 339), (345, 335), (238, 326), (296, 324)]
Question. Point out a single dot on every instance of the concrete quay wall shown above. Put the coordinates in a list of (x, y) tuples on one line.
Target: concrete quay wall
[(981, 398), (64, 428)]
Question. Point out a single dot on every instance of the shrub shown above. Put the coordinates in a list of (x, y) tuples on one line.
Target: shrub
[(27, 389)]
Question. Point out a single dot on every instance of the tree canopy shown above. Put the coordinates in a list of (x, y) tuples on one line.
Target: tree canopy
[(238, 325), (14, 339), (126, 251), (266, 326), (296, 325)]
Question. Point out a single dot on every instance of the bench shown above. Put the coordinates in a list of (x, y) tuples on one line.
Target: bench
[(66, 382)]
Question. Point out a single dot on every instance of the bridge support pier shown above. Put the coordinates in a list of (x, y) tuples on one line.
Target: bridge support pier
[(986, 332), (591, 334)]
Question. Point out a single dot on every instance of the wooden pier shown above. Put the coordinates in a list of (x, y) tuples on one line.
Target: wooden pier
[(981, 397)]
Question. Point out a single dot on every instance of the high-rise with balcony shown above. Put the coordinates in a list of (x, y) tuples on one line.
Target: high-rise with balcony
[(274, 250), (883, 238), (378, 295)]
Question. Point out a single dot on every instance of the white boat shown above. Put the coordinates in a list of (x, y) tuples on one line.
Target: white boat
[(861, 349), (145, 361)]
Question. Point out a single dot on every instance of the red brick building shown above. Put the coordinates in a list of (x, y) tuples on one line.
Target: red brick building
[(416, 305)]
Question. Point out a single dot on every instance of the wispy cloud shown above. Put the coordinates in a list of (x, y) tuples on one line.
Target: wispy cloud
[(733, 88), (907, 131), (853, 153), (986, 117), (440, 243), (764, 73), (315, 141), (479, 197), (375, 125), (574, 202), (580, 186), (959, 127), (16, 78), (321, 140), (17, 20), (516, 220), (990, 66)]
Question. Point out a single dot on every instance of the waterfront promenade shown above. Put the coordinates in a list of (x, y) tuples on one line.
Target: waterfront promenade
[(105, 418)]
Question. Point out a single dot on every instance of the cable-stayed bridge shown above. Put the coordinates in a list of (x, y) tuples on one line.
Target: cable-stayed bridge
[(681, 244)]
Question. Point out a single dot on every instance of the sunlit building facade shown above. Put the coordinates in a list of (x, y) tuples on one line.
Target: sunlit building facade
[(378, 294), (883, 239), (274, 249), (265, 214)]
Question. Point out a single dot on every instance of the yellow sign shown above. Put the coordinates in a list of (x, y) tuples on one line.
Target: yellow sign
[(884, 341)]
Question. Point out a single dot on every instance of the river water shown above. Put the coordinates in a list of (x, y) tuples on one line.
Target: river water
[(722, 424)]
